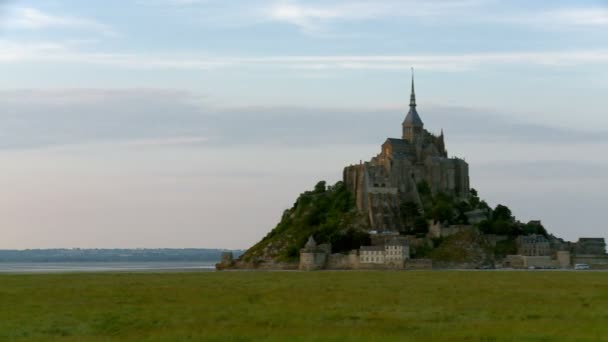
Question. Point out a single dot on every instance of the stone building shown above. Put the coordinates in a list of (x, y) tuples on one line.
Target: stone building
[(227, 261), (392, 254), (533, 245), (438, 229), (371, 255), (313, 256), (392, 177), (590, 246)]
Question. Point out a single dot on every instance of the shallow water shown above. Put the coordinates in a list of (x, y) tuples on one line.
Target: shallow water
[(59, 267)]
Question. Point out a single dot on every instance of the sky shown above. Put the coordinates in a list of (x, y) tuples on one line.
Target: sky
[(195, 123)]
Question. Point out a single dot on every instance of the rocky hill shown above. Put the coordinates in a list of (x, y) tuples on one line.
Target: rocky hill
[(412, 189), (328, 213)]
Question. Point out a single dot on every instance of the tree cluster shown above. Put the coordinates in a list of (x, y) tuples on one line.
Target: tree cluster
[(438, 207), (327, 213), (502, 222)]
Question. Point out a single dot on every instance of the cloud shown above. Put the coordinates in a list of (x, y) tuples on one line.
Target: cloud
[(312, 16), (136, 117), (149, 117), (28, 18), (561, 18), (315, 17), (52, 52), (580, 16)]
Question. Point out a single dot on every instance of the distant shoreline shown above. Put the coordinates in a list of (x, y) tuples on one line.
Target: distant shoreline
[(104, 267), (136, 255)]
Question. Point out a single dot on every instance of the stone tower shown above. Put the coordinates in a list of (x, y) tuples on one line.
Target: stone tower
[(412, 125)]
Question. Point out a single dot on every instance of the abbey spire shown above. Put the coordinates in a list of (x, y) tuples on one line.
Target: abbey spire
[(412, 125), (413, 95)]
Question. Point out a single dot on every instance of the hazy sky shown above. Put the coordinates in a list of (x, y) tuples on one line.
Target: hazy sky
[(195, 123)]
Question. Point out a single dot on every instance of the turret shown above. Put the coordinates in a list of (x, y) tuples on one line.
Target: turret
[(412, 125), (441, 144)]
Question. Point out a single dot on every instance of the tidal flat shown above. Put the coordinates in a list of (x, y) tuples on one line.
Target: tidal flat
[(278, 306)]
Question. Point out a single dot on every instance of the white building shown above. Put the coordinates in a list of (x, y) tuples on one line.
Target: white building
[(392, 253), (371, 254)]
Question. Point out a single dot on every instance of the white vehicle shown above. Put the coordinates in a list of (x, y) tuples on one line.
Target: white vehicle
[(581, 267)]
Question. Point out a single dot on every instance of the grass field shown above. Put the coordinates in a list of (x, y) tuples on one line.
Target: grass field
[(501, 306)]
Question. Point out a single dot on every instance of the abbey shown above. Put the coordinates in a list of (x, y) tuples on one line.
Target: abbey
[(418, 160)]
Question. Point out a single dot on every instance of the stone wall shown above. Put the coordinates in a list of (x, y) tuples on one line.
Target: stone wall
[(594, 261), (540, 262), (514, 261), (384, 211), (523, 261), (590, 246), (437, 229), (343, 261), (354, 179), (418, 264), (312, 261), (563, 259)]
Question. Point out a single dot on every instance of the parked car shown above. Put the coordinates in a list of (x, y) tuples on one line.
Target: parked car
[(581, 267)]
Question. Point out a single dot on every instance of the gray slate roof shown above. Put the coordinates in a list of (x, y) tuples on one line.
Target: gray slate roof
[(413, 119), (398, 142)]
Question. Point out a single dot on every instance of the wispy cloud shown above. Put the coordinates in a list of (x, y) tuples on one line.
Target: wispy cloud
[(148, 117), (29, 18), (49, 52), (560, 18), (324, 18), (134, 117), (580, 16), (313, 16)]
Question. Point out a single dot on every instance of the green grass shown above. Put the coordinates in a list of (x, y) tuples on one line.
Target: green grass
[(242, 306)]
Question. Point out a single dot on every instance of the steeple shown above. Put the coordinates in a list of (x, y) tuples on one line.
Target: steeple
[(412, 125), (413, 95)]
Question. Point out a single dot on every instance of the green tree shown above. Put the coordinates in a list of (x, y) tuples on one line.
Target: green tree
[(442, 211), (503, 227), (502, 213), (424, 188), (321, 187), (534, 228), (421, 225), (409, 212), (474, 200), (486, 227)]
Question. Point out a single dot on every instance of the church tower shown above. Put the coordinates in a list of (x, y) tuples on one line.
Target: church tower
[(412, 125)]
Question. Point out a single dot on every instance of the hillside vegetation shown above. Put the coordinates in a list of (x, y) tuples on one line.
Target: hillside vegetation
[(328, 213)]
